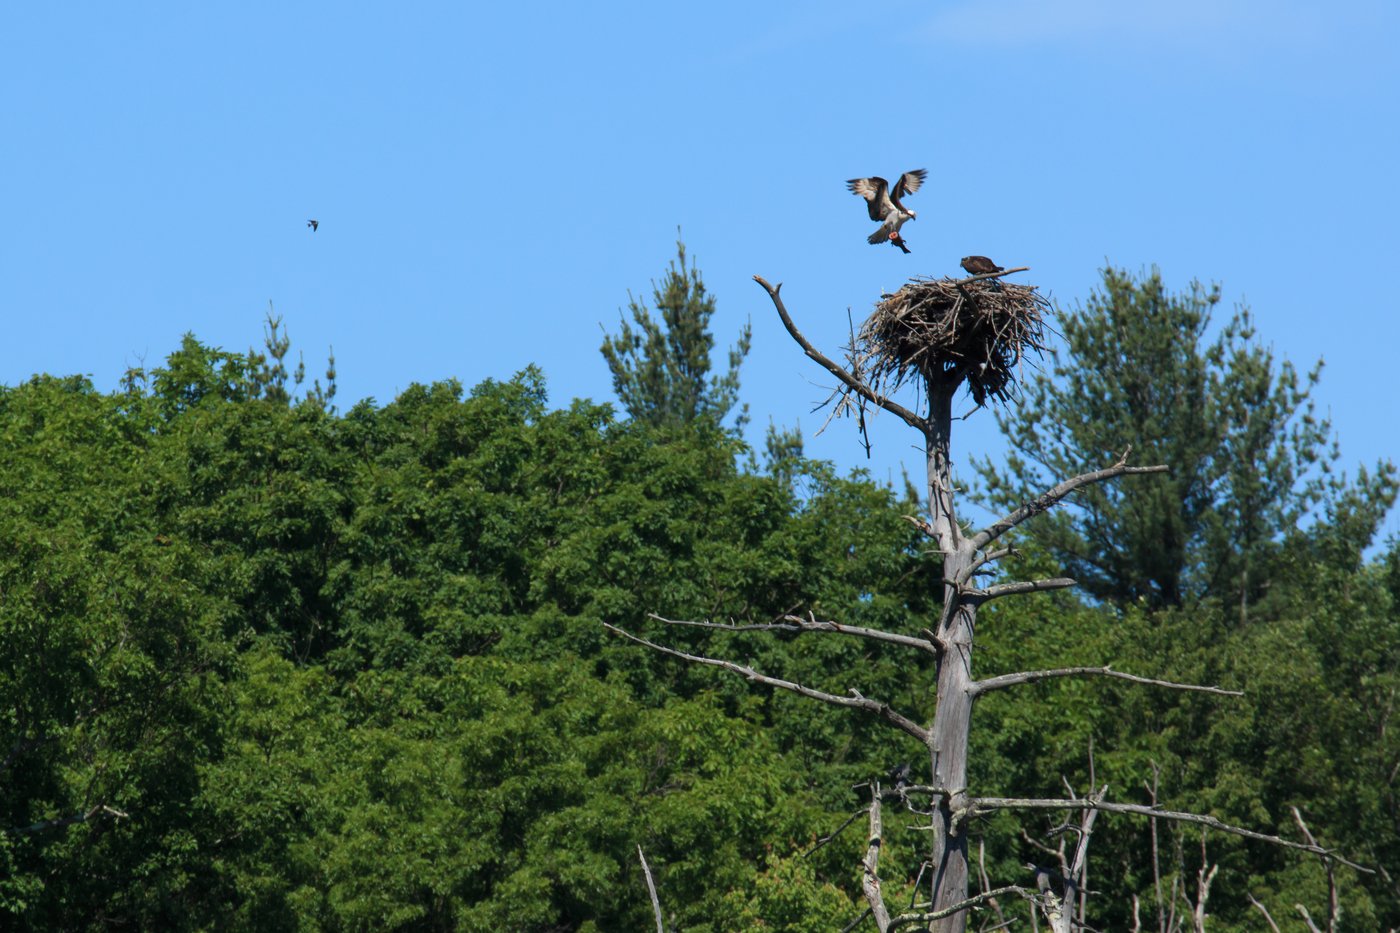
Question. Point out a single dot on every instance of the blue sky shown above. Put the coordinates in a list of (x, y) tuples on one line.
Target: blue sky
[(492, 180)]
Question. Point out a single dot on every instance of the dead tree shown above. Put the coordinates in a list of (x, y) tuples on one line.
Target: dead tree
[(943, 335)]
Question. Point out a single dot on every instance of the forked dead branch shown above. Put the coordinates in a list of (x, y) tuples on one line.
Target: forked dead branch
[(938, 335)]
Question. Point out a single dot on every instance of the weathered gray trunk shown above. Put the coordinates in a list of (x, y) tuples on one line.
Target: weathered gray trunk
[(953, 718)]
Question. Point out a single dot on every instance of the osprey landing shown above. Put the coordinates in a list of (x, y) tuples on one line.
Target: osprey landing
[(885, 205)]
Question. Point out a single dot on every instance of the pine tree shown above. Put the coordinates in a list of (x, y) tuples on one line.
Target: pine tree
[(661, 369), (1250, 457)]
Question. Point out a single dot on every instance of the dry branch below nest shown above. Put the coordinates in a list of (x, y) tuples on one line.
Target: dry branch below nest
[(947, 330)]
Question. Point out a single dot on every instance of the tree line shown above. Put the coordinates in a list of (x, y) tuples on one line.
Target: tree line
[(271, 665)]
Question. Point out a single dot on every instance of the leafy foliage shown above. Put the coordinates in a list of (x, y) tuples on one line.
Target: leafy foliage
[(270, 666), (349, 671)]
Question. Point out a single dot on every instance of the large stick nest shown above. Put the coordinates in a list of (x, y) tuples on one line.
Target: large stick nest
[(950, 330)]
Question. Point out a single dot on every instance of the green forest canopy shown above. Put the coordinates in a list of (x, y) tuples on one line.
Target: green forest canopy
[(273, 666)]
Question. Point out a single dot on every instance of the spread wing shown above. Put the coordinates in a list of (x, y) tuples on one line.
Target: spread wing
[(908, 183), (875, 190)]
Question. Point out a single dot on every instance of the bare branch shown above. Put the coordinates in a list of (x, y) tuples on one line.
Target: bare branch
[(1077, 873), (1334, 907), (1156, 864), (1000, 926), (1265, 911), (1048, 499), (979, 805), (1027, 677), (1205, 876), (925, 789), (920, 524), (792, 623), (651, 889), (987, 557), (856, 922), (991, 275), (1037, 844), (907, 919), (883, 710), (985, 880), (1013, 589), (1307, 918), (1084, 867), (99, 810), (870, 865), (924, 866), (851, 382), (835, 832)]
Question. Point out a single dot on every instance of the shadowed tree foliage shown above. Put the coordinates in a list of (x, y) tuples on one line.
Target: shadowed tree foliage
[(269, 667), (1250, 457), (661, 368)]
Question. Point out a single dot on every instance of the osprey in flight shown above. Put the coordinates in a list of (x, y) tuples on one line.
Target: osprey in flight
[(313, 224), (884, 204), (980, 265)]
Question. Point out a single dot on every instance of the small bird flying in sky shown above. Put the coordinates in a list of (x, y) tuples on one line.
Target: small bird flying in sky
[(980, 265), (314, 225), (885, 205)]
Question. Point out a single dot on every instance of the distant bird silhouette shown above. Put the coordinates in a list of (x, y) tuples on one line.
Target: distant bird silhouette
[(980, 265), (899, 775), (884, 204), (314, 225)]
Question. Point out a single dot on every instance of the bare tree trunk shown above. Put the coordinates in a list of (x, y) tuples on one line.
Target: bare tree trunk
[(953, 718)]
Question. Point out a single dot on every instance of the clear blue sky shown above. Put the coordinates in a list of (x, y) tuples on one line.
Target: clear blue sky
[(492, 180)]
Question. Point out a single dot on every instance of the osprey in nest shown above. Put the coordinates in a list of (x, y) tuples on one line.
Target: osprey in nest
[(980, 265), (885, 205)]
